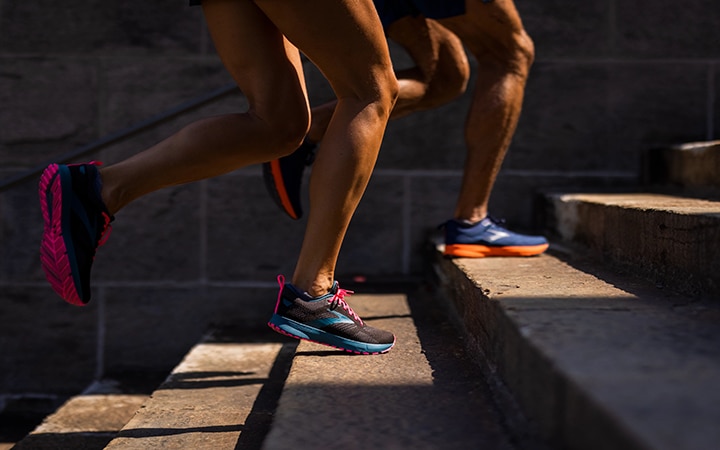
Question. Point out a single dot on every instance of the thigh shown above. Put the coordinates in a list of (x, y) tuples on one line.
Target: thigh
[(265, 66), (488, 28), (343, 38)]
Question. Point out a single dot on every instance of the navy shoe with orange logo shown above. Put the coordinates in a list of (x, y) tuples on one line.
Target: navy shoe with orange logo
[(284, 177)]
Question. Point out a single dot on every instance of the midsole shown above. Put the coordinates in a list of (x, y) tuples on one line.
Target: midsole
[(484, 250)]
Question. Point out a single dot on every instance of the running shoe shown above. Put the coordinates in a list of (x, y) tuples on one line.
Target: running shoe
[(284, 176), (76, 224), (327, 320), (489, 238)]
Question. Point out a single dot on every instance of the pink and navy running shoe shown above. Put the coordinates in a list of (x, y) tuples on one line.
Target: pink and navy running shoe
[(489, 238), (76, 224), (284, 176), (327, 320)]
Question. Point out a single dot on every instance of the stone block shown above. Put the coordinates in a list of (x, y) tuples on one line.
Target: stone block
[(714, 119), (139, 320), (248, 237), (688, 32), (559, 127), (433, 138), (432, 202), (562, 29), (96, 27), (374, 241), (46, 107), (20, 234), (158, 237), (140, 89), (47, 345), (653, 104)]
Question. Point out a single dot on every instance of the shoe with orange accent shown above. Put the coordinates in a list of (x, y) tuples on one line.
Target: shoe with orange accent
[(489, 238), (284, 176)]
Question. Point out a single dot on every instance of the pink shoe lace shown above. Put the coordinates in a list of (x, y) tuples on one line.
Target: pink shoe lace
[(339, 299)]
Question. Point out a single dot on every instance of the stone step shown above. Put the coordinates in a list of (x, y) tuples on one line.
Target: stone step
[(85, 422), (673, 241), (692, 168), (598, 359), (423, 394), (280, 393), (221, 395)]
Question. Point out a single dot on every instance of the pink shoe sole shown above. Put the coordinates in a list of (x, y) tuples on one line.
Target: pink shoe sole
[(53, 254)]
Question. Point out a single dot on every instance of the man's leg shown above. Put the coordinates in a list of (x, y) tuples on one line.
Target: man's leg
[(494, 34), (440, 74)]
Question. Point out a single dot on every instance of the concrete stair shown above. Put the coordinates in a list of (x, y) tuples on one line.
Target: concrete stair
[(608, 341), (278, 393)]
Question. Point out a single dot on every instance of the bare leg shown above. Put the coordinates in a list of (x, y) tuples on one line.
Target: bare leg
[(355, 131), (268, 71), (494, 34), (344, 39), (441, 72)]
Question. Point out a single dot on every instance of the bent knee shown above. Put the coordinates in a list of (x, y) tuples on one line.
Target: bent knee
[(382, 92), (518, 53), (284, 130), (450, 79)]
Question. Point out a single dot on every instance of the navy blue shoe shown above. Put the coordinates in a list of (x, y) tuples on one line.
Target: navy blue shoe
[(284, 176), (76, 224), (327, 320), (489, 238)]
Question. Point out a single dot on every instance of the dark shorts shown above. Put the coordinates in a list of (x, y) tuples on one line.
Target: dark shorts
[(392, 10)]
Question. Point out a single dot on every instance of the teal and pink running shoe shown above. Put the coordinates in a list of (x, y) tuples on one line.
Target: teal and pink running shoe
[(76, 224), (327, 320)]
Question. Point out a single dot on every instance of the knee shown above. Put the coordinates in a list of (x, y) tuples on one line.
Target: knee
[(524, 50), (450, 78), (381, 92), (285, 129), (518, 54), (388, 91)]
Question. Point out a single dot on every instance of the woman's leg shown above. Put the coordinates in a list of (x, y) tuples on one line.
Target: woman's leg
[(267, 69), (344, 39)]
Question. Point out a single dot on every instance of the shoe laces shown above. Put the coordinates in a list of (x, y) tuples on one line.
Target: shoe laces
[(338, 299), (495, 220)]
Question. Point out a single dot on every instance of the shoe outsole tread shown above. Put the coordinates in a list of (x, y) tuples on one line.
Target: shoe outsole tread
[(53, 252), (304, 337)]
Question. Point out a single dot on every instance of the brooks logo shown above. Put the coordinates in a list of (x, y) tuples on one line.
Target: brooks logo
[(495, 235)]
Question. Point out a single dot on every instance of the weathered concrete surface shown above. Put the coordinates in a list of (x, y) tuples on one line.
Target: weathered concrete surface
[(674, 241), (86, 422), (206, 402), (597, 359), (693, 167), (420, 395)]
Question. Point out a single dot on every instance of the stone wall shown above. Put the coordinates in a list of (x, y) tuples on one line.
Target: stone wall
[(611, 78)]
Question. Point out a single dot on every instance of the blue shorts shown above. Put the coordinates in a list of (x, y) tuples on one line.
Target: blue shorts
[(392, 10)]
